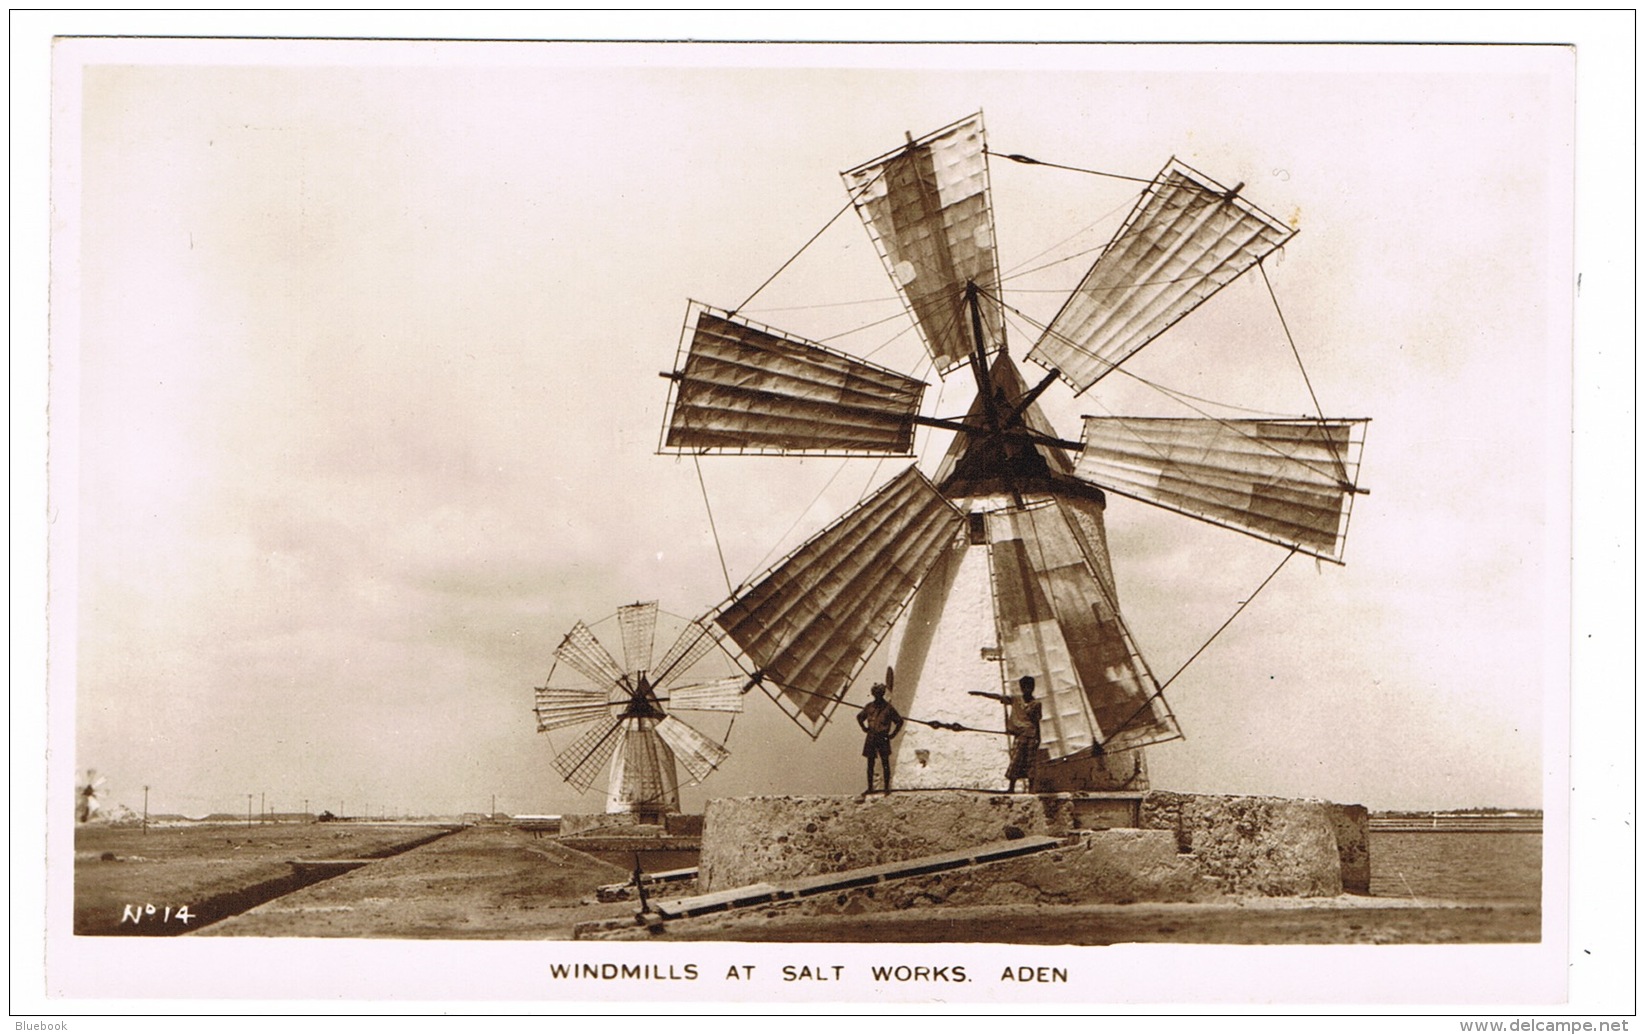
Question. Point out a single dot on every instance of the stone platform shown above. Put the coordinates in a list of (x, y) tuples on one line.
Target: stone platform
[(1141, 846)]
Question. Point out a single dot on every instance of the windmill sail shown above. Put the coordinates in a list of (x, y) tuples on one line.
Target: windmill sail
[(584, 653), (811, 621), (697, 753), (1059, 623), (1187, 238), (558, 708), (638, 623), (748, 389), (582, 761), (718, 695), (694, 641), (927, 209), (1287, 481)]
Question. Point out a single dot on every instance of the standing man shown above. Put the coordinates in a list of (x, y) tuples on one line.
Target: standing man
[(1022, 725), (880, 722)]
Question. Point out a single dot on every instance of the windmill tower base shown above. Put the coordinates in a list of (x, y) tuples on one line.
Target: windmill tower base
[(948, 645)]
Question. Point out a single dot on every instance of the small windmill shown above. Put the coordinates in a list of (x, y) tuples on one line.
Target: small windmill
[(89, 791), (1000, 558), (628, 713)]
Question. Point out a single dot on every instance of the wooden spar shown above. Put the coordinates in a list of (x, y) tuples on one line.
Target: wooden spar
[(979, 356)]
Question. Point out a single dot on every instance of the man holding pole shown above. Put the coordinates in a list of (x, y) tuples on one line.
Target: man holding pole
[(1022, 725)]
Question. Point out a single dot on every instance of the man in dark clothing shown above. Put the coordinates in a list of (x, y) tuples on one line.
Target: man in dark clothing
[(880, 722)]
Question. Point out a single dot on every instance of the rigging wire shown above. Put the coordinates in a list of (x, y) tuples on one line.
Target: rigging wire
[(1207, 643), (850, 203), (1025, 160), (1225, 422), (796, 255), (826, 305), (932, 723), (1342, 470), (1173, 393), (760, 565), (1017, 270), (695, 462)]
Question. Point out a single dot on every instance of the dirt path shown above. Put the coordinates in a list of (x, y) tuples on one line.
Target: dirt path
[(483, 882)]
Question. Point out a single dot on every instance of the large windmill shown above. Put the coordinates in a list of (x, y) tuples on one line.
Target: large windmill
[(628, 717), (1002, 552)]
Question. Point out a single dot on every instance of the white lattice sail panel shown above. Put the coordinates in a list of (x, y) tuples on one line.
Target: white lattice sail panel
[(583, 759), (718, 695), (584, 653), (638, 623), (697, 753), (558, 708)]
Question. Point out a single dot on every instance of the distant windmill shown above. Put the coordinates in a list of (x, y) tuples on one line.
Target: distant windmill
[(1003, 551), (628, 712), (89, 793)]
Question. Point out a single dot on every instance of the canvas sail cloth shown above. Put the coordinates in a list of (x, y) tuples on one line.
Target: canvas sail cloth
[(1287, 481), (926, 206), (810, 623), (1186, 239), (743, 388), (1055, 606)]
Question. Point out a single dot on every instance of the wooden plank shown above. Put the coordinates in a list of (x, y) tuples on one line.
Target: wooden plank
[(824, 883)]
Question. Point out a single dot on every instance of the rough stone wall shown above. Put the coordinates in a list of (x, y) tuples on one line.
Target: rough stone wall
[(1252, 845), (749, 840)]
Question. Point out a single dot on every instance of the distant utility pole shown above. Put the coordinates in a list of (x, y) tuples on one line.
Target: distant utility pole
[(145, 808), (248, 809), (493, 806), (262, 806)]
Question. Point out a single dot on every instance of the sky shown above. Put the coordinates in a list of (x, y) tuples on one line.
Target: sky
[(355, 399)]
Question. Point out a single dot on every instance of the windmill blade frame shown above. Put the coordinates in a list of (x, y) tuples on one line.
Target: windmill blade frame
[(1288, 481), (582, 650), (638, 625), (740, 387), (558, 708), (691, 747), (581, 761), (812, 620), (1061, 623), (1185, 234), (928, 210), (715, 695)]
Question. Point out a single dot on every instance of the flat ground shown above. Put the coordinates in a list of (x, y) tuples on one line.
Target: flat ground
[(483, 882), (499, 883), (175, 866)]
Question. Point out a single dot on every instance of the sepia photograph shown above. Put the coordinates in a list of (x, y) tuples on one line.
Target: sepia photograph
[(793, 524)]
